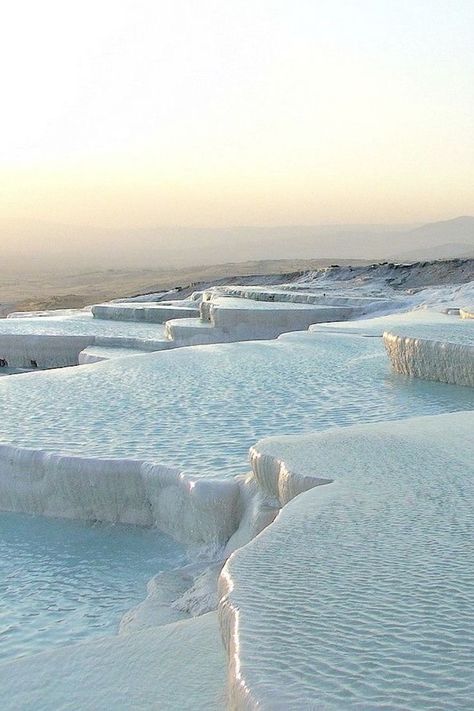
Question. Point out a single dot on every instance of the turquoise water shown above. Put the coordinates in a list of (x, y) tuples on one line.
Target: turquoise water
[(65, 581), (201, 408), (82, 324)]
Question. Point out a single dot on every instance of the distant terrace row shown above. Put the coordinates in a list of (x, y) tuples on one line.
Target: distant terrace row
[(118, 329)]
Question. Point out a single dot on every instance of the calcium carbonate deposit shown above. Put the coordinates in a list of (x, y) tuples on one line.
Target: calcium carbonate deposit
[(360, 594), (443, 353), (338, 558), (49, 341)]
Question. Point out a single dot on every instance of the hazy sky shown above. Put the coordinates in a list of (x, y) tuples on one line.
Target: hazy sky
[(221, 112)]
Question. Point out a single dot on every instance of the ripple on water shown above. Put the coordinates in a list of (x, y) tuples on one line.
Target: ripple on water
[(201, 408), (82, 324), (65, 581)]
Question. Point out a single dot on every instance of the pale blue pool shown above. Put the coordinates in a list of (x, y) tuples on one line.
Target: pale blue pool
[(201, 408), (80, 324), (66, 581)]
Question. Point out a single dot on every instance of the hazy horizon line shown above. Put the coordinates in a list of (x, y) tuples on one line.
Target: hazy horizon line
[(230, 226)]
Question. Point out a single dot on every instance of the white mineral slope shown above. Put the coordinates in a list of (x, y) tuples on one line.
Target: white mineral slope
[(360, 594), (244, 319), (306, 293), (467, 312), (42, 351), (443, 353), (227, 320), (46, 351), (408, 277), (442, 361), (96, 354), (171, 668), (377, 325), (50, 313), (152, 297), (150, 312), (194, 332), (158, 439), (56, 341), (427, 305), (445, 297), (193, 511)]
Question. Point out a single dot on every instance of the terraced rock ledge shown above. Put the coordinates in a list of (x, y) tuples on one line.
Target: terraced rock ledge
[(444, 354), (162, 438), (359, 595), (467, 312)]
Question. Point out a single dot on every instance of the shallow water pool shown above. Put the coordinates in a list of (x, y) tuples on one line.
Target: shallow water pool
[(65, 581), (201, 408), (80, 324)]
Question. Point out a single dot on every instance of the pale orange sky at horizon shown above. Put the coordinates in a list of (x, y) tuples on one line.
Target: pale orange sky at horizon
[(147, 113)]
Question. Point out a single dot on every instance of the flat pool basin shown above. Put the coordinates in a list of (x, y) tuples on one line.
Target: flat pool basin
[(62, 582)]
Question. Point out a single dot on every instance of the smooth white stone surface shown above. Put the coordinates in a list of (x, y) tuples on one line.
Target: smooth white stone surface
[(171, 668), (150, 312), (434, 352), (467, 312), (360, 594), (96, 354), (158, 438), (56, 341), (377, 325)]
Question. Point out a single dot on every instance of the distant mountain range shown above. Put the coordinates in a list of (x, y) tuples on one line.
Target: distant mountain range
[(41, 246), (433, 241), (452, 250)]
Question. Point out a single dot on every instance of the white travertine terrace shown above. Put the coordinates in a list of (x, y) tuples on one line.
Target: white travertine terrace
[(194, 511), (42, 350), (192, 332), (158, 439), (151, 312), (231, 319), (360, 594), (228, 314), (51, 341), (378, 325), (445, 354), (71, 337), (301, 293), (45, 351), (467, 312), (256, 319), (96, 354), (176, 666)]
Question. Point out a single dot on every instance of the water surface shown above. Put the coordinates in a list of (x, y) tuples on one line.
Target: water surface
[(62, 581)]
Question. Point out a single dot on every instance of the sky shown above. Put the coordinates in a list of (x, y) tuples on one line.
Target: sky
[(121, 114)]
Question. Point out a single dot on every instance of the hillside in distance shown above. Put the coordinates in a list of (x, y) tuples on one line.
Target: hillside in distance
[(51, 247), (78, 288), (450, 239), (444, 251)]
